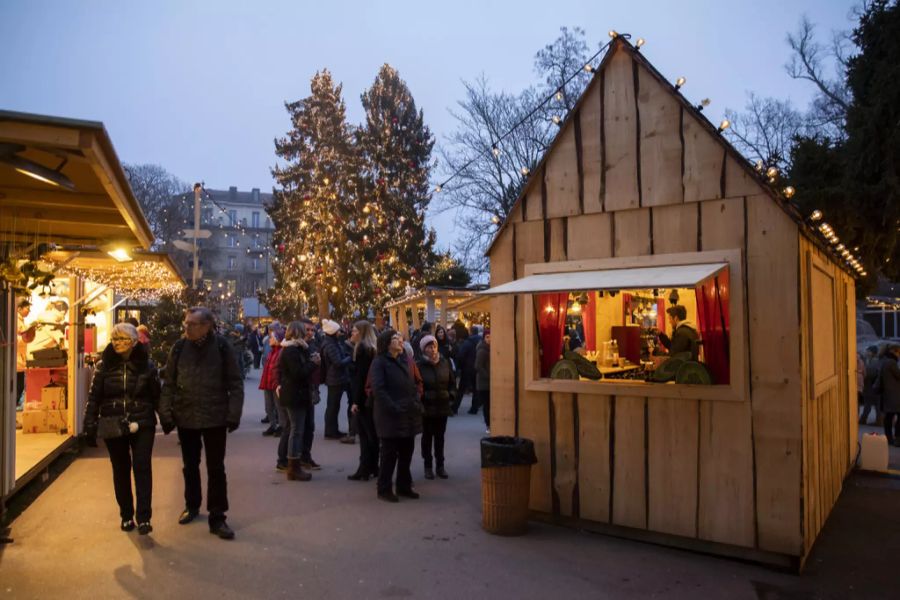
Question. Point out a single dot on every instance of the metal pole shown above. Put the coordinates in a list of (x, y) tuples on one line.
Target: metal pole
[(196, 270)]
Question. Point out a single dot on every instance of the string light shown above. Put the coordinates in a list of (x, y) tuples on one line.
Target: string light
[(495, 220), (680, 82), (703, 104), (525, 171), (816, 215), (496, 151), (789, 192), (559, 96), (613, 33), (556, 120), (725, 124), (640, 42)]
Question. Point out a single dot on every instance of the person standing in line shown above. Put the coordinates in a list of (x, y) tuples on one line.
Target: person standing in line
[(268, 382), (203, 395), (126, 387), (336, 360), (295, 365), (483, 377), (889, 378), (871, 395), (398, 416), (312, 341), (466, 356), (253, 344), (364, 341), (439, 388)]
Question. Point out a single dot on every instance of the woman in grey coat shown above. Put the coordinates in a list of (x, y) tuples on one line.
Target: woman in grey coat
[(889, 378)]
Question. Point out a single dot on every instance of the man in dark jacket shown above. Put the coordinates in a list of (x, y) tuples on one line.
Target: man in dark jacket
[(684, 333), (483, 377), (336, 361), (202, 395), (889, 380), (466, 365)]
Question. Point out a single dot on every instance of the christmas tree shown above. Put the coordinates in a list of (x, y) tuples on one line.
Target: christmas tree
[(393, 191), (312, 206)]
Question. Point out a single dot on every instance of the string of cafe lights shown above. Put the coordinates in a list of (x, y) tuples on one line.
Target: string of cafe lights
[(767, 173)]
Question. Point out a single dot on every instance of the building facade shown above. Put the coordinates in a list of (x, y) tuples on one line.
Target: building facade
[(236, 257)]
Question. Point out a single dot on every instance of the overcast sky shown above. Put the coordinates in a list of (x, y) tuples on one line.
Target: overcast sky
[(199, 87)]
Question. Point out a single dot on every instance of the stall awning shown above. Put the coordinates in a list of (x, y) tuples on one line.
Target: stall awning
[(147, 273), (609, 279), (61, 182)]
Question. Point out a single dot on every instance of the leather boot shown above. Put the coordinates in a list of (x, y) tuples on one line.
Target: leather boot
[(295, 472)]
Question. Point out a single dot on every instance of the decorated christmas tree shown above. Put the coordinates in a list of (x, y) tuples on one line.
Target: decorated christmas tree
[(313, 203), (394, 191)]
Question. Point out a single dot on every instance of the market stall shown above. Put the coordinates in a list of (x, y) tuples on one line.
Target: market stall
[(732, 438), (61, 184), (435, 304)]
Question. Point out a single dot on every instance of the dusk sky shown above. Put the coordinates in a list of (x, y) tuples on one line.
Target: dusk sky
[(199, 87)]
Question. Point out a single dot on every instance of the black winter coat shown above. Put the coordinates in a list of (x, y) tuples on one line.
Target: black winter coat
[(466, 354), (203, 386), (483, 367), (294, 370), (364, 358), (439, 387), (889, 380), (338, 359), (397, 410), (122, 387)]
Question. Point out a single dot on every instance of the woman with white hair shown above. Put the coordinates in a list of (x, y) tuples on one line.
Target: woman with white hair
[(121, 409)]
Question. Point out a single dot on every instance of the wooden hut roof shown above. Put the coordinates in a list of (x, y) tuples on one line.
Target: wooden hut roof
[(621, 44)]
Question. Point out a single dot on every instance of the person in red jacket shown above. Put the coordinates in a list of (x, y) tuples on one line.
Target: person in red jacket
[(268, 381)]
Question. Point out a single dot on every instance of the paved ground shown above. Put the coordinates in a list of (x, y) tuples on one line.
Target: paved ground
[(330, 538)]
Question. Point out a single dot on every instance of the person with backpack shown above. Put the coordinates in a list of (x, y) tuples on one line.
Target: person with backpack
[(203, 396)]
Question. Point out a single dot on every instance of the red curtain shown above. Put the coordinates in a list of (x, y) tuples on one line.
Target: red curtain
[(589, 320), (551, 318), (713, 320), (661, 315), (626, 309)]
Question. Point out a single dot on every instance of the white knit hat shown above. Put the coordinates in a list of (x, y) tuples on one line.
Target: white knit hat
[(330, 327), (428, 339)]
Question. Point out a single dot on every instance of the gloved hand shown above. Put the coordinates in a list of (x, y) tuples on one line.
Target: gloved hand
[(167, 427), (232, 427)]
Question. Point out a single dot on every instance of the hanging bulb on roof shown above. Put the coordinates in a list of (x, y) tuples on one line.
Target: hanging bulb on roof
[(556, 120), (704, 103), (438, 188), (495, 219), (725, 124), (588, 68), (613, 33), (772, 172), (495, 151), (789, 192), (559, 95), (816, 215), (680, 82), (640, 42), (525, 171)]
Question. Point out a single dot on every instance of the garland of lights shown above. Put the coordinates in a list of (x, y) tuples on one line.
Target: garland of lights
[(144, 280)]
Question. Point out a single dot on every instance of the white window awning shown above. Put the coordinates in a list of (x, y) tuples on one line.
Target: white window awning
[(609, 279)]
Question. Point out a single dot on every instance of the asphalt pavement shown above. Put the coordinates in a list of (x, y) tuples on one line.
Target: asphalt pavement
[(331, 538)]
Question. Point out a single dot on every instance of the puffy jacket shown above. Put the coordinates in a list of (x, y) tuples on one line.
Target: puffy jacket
[(337, 359), (202, 386), (397, 410), (122, 387), (439, 387), (294, 370), (483, 367), (269, 378)]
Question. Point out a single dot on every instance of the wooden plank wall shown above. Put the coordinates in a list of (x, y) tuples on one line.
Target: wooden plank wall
[(718, 471), (829, 409)]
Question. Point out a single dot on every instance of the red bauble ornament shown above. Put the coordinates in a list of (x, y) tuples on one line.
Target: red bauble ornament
[(356, 285), (281, 248), (377, 290), (395, 120), (412, 165)]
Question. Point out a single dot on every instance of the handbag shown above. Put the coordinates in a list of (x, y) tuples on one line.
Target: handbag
[(109, 428)]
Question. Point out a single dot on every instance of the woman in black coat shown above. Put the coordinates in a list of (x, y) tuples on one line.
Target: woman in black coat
[(126, 386), (362, 336), (439, 390), (295, 366), (398, 415)]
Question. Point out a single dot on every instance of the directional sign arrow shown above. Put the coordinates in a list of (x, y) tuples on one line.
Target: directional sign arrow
[(201, 234)]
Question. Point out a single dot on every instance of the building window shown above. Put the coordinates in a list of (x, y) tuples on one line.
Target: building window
[(231, 263), (232, 218), (256, 264), (231, 286), (232, 241), (255, 219)]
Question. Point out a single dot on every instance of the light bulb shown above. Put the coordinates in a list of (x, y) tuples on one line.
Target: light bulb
[(613, 33), (816, 215), (759, 165), (438, 188), (680, 82), (588, 68), (495, 219), (326, 181), (772, 172), (725, 124), (334, 289), (559, 96), (525, 171), (302, 258), (556, 119), (496, 151), (640, 42), (841, 248), (789, 192)]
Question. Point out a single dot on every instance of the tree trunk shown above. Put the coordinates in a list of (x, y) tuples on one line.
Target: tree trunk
[(322, 298)]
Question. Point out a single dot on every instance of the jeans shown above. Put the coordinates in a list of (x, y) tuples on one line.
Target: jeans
[(396, 452), (333, 409), (192, 442), (272, 412), (433, 429), (484, 400), (293, 431), (368, 441), (127, 453)]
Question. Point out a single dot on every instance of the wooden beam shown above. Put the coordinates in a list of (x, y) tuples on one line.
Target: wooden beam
[(32, 198)]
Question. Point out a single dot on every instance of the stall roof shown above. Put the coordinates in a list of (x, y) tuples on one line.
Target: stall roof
[(147, 272), (83, 196), (610, 279)]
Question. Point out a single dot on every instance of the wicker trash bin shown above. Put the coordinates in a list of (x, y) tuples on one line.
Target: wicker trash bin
[(506, 484)]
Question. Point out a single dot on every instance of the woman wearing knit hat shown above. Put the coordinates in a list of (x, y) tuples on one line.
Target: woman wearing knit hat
[(336, 362), (398, 415), (437, 398)]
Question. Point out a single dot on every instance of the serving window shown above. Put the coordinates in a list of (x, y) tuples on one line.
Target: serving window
[(662, 325)]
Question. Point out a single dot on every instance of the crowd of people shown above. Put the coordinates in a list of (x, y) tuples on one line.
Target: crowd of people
[(397, 387), (878, 388)]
